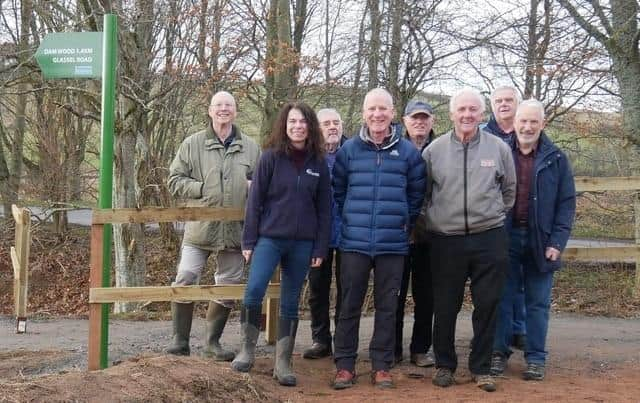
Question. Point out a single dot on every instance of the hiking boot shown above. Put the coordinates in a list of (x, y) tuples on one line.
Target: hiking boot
[(443, 377), (249, 332), (519, 342), (282, 371), (217, 316), (422, 360), (498, 363), (484, 382), (382, 379), (344, 379), (317, 350), (534, 372), (182, 316)]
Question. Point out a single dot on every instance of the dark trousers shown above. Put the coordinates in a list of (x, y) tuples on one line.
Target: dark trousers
[(319, 298), (416, 267), (483, 258), (354, 275)]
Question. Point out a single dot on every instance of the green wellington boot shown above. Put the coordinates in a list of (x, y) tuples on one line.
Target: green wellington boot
[(283, 371), (249, 332), (182, 315), (217, 316)]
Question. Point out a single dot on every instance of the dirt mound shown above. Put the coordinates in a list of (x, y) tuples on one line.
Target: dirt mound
[(141, 379)]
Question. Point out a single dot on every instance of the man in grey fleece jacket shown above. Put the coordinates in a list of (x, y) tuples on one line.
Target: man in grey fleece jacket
[(471, 184)]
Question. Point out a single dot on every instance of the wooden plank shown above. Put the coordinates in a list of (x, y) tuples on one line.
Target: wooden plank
[(273, 305), (615, 253), (171, 214), (168, 293), (595, 184), (95, 310)]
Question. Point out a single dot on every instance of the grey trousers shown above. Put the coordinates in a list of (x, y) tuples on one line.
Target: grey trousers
[(229, 267)]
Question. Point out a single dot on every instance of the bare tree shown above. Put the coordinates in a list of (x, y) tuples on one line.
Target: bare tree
[(615, 27)]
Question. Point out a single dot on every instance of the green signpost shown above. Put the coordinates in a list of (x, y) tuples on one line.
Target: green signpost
[(91, 55), (71, 55)]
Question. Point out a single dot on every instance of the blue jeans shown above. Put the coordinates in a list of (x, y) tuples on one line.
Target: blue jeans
[(537, 294), (294, 258), (519, 314)]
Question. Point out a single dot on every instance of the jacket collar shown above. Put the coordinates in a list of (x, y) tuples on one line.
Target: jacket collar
[(473, 141), (494, 128), (545, 147), (430, 137), (212, 141), (396, 132)]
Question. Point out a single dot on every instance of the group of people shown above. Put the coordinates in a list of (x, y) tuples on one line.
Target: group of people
[(493, 203)]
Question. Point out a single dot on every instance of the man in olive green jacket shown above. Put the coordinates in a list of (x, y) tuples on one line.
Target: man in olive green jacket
[(212, 168)]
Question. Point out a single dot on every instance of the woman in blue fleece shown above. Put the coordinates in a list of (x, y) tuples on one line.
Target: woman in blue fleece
[(287, 222)]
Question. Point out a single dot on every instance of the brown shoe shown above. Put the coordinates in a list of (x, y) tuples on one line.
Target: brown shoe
[(484, 382), (344, 379), (382, 379)]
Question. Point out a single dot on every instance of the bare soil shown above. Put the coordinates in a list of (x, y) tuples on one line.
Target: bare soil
[(590, 359)]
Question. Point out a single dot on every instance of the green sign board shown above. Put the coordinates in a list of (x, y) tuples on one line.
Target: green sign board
[(71, 55)]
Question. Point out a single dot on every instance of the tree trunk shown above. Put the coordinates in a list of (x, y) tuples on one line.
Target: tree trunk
[(26, 10), (130, 263), (397, 8), (5, 190), (620, 38), (281, 61), (354, 98), (624, 52), (373, 59)]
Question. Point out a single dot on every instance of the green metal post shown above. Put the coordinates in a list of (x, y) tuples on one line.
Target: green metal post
[(109, 62)]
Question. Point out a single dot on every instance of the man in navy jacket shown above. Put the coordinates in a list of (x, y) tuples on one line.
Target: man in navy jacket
[(504, 103), (539, 228), (379, 185)]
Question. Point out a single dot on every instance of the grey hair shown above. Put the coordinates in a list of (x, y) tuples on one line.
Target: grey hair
[(533, 103), (222, 93), (378, 91), (326, 111), (513, 89), (467, 91)]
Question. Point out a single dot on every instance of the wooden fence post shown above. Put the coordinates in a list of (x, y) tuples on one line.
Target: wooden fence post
[(20, 262)]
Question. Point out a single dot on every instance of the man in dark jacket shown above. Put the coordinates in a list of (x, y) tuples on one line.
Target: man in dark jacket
[(418, 120), (504, 102), (378, 183), (540, 224), (320, 278)]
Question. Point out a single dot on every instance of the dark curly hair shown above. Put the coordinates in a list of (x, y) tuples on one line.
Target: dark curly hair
[(278, 139)]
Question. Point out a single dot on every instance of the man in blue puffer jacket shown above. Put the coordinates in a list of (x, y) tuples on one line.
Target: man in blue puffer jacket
[(379, 186)]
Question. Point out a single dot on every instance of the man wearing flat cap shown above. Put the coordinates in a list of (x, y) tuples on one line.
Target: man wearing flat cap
[(418, 121)]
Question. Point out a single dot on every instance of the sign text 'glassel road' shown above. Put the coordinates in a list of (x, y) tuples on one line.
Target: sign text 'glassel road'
[(71, 55)]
